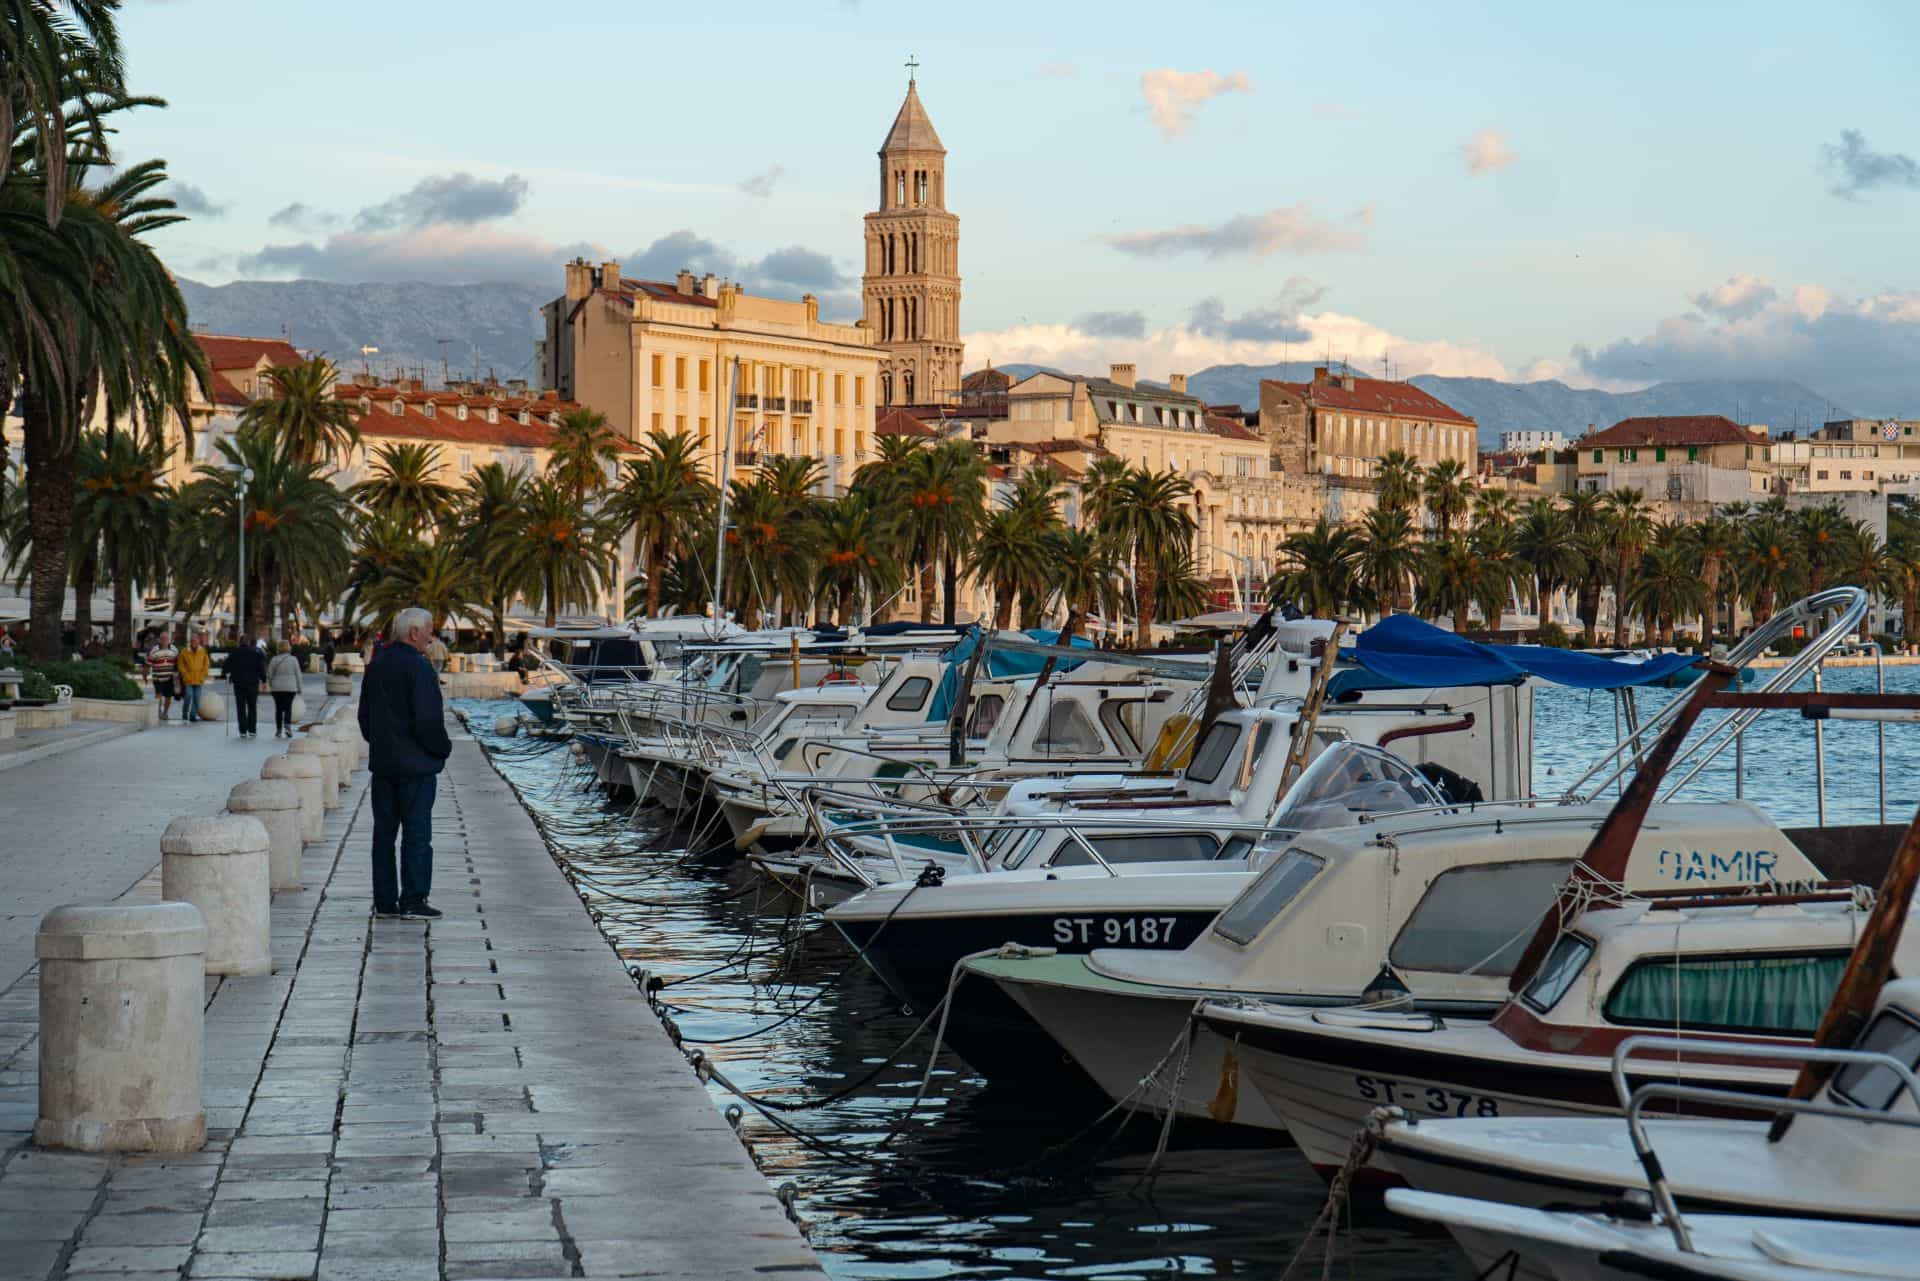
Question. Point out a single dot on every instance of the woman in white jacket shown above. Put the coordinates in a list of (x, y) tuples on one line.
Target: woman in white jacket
[(283, 682)]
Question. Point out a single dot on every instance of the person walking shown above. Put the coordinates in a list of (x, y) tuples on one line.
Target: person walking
[(246, 672), (195, 662), (437, 654), (283, 682), (403, 721), (164, 671)]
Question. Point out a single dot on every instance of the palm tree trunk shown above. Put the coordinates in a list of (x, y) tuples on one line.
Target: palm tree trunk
[(122, 612), (52, 469), (499, 611), (951, 565), (1003, 609), (846, 605), (86, 577), (929, 588), (656, 559), (1460, 621), (1145, 583), (1620, 606), (1071, 628), (553, 597)]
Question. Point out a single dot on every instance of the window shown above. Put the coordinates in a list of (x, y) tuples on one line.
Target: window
[(859, 391), (466, 461), (839, 389), (1068, 732), (1872, 1086), (1693, 453), (704, 374), (1122, 719), (911, 696), (679, 424), (1477, 919), (1159, 847), (1846, 475), (1660, 454), (1821, 474), (657, 369), (680, 372), (705, 430), (1267, 897), (986, 714), (900, 186), (1211, 755), (1775, 995), (656, 417), (1596, 455), (1557, 972)]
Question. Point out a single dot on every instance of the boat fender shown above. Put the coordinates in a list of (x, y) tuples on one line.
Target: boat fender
[(577, 749)]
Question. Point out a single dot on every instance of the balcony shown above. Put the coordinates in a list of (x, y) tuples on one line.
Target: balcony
[(803, 406), (776, 404), (746, 400), (747, 458)]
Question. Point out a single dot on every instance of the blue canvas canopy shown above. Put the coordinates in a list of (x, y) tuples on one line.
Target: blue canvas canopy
[(1402, 652), (999, 662)]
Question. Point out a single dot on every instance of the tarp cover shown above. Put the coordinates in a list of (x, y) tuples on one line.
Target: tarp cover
[(1402, 652), (999, 662)]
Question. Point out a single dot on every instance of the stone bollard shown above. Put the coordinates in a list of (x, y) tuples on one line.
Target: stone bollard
[(219, 865), (276, 803), (346, 732), (305, 773), (213, 707), (339, 684), (122, 1028), (319, 750), (343, 753)]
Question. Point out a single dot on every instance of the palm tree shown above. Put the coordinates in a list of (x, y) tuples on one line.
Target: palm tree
[(483, 525), (1715, 542), (1008, 552), (310, 422), (1150, 517), (1544, 544), (380, 544), (1666, 586), (1500, 568), (1822, 533), (1449, 492), (1454, 578), (1861, 560), (1317, 569), (1398, 479), (770, 547), (556, 546), (855, 555), (439, 578), (1903, 572), (1101, 487), (124, 508), (1587, 521), (582, 450), (884, 469), (403, 484), (298, 524), (662, 495), (1494, 507), (1770, 564), (1036, 501), (1387, 556), (1179, 589), (45, 55), (793, 479), (1082, 565), (1629, 527), (942, 498)]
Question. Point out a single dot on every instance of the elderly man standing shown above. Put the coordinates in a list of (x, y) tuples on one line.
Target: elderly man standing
[(407, 745)]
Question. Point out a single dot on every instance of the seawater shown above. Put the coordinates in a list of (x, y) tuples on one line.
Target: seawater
[(1000, 1183)]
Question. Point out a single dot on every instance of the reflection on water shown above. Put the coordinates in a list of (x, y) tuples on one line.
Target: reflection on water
[(1018, 1183)]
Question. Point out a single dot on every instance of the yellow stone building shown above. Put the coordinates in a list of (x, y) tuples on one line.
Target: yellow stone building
[(657, 356)]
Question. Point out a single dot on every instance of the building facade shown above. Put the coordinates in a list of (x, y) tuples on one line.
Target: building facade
[(1531, 442), (1850, 455), (911, 288), (659, 356), (1684, 465)]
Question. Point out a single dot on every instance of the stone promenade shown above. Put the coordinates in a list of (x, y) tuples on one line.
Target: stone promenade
[(488, 1096)]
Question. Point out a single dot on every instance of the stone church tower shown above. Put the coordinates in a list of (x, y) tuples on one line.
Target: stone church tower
[(912, 284)]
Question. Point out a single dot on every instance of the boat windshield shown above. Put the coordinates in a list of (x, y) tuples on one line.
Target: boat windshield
[(1870, 1085), (1348, 783)]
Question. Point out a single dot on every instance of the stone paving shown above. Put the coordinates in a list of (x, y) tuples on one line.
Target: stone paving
[(487, 1096)]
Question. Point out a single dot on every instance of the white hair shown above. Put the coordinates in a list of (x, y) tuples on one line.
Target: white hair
[(407, 621)]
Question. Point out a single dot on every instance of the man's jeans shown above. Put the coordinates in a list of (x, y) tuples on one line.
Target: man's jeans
[(403, 806), (190, 702)]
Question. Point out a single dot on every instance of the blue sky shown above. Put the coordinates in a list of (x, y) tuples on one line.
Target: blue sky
[(1612, 195)]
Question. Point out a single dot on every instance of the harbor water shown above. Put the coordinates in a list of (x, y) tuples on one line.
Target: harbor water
[(1016, 1182)]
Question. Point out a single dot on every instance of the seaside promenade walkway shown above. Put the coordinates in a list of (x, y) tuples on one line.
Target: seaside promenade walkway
[(485, 1096)]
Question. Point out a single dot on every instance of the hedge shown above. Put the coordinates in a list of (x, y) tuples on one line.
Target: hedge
[(90, 678)]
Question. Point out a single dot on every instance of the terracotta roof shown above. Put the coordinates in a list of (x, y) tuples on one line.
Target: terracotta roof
[(898, 422), (1376, 396), (244, 353), (1056, 446), (1683, 429), (380, 422), (225, 393), (912, 130), (1231, 428), (1059, 469)]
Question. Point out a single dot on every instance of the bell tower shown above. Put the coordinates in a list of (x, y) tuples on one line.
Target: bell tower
[(911, 289)]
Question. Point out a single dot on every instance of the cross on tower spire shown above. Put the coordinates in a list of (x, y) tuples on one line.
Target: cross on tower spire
[(913, 65)]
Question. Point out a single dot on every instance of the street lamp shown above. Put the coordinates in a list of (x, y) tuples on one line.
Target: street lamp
[(243, 475)]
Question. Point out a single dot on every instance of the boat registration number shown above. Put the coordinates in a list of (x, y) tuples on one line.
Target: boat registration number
[(1424, 1098), (1112, 930)]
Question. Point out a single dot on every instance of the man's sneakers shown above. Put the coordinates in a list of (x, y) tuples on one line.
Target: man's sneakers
[(421, 911)]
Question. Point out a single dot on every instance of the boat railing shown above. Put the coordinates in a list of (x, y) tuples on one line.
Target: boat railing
[(1849, 607), (1634, 1103)]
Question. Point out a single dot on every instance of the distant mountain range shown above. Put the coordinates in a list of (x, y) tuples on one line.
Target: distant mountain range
[(488, 327), (493, 327)]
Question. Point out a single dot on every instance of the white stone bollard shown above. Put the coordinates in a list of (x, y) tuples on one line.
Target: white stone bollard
[(343, 761), (276, 803), (346, 732), (122, 1028), (213, 707), (315, 749), (305, 773), (219, 865), (339, 684)]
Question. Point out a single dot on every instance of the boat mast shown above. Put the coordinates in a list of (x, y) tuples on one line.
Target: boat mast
[(726, 470)]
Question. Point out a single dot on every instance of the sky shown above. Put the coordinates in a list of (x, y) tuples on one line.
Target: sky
[(1609, 195)]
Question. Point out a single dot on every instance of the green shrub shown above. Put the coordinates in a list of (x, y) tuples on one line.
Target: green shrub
[(35, 685), (1553, 634), (92, 678)]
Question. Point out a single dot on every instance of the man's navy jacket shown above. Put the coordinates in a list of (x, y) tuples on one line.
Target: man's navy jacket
[(400, 713)]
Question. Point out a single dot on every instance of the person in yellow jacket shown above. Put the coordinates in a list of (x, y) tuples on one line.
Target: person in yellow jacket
[(195, 663)]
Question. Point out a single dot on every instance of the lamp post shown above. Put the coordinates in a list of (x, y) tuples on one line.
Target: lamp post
[(244, 475)]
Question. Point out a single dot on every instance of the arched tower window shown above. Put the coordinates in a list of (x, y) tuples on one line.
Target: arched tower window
[(907, 383), (886, 389)]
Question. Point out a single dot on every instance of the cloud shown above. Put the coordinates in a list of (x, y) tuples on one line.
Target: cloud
[(1280, 321), (439, 254), (1860, 168), (302, 217), (761, 184), (1056, 71), (1174, 96), (458, 198), (1487, 152), (1113, 324), (1210, 338), (190, 199), (1861, 352), (1291, 228)]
